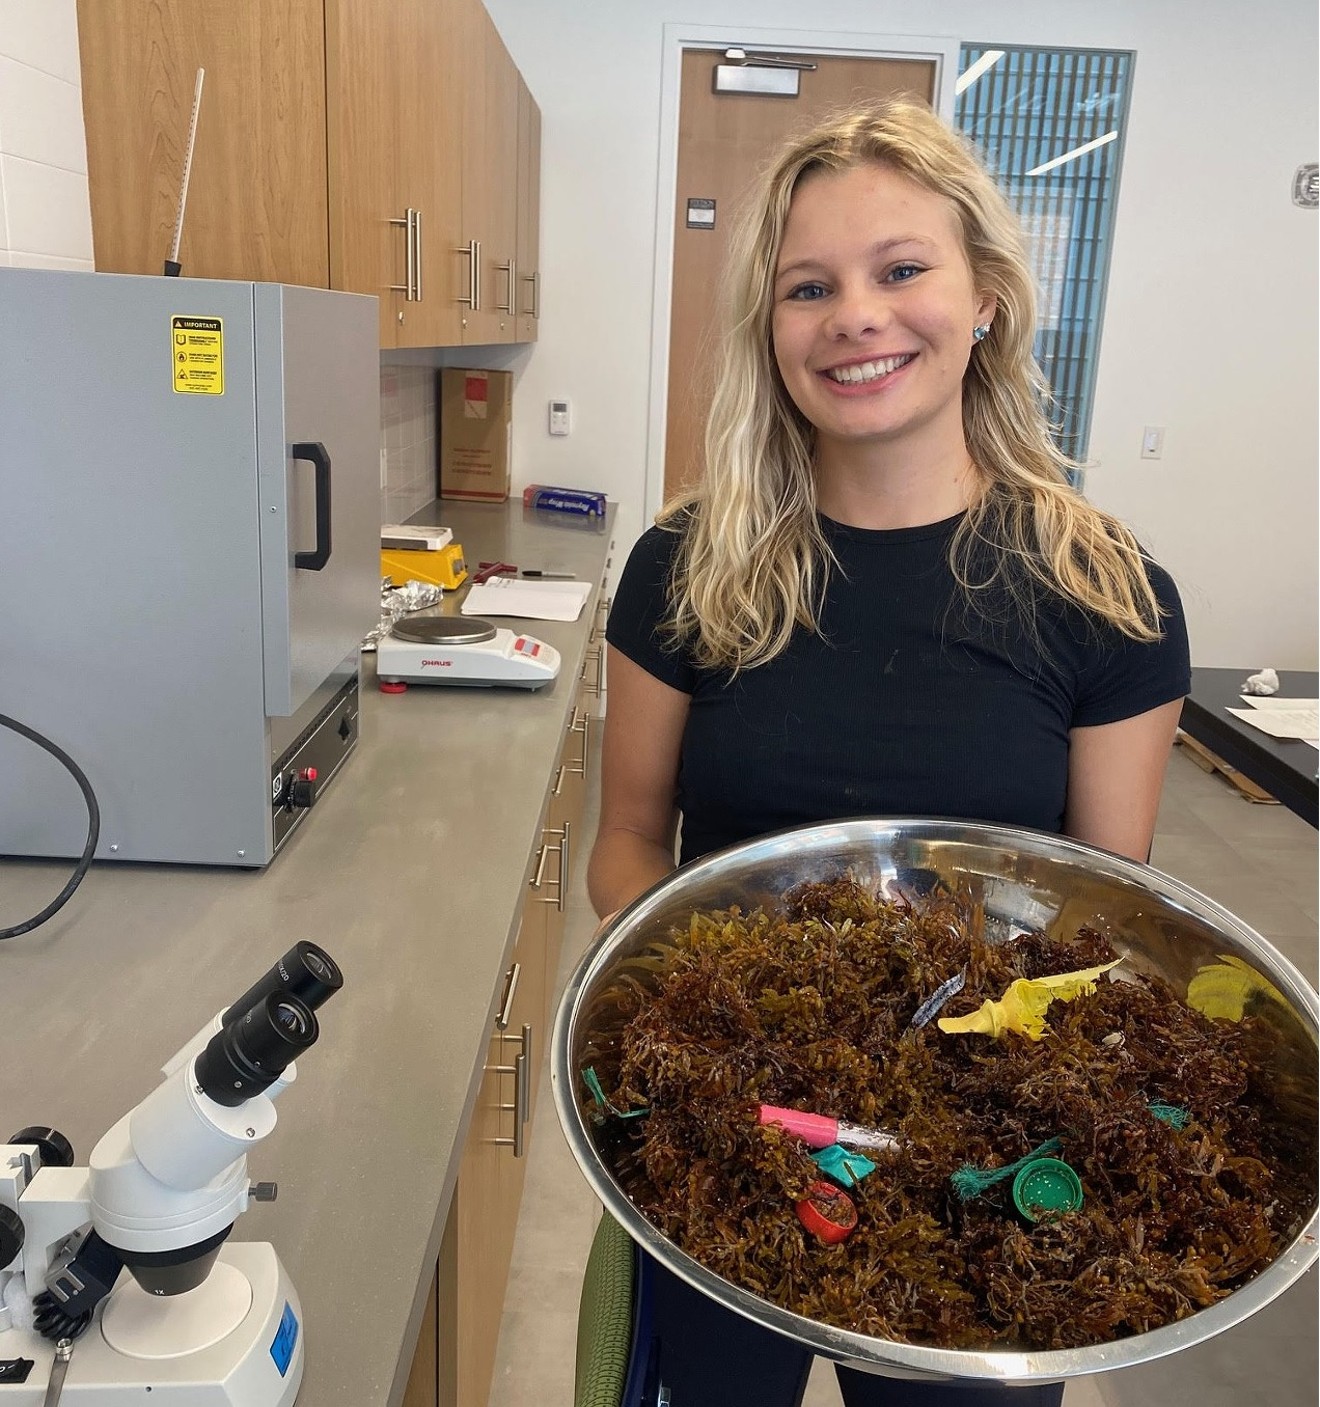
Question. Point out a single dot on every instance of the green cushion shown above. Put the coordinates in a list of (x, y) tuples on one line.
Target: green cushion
[(604, 1318)]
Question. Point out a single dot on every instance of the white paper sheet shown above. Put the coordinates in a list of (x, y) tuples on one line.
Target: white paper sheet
[(530, 600), (1302, 723), (1273, 701)]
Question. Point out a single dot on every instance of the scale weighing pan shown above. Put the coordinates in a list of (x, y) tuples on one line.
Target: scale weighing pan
[(439, 649)]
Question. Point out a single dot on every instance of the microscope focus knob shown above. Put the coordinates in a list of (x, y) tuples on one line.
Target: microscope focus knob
[(11, 1235), (56, 1150)]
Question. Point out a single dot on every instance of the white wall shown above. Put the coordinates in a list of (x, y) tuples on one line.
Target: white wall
[(45, 217), (1210, 329), (1211, 322)]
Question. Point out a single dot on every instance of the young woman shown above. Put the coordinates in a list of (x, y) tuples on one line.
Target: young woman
[(883, 597)]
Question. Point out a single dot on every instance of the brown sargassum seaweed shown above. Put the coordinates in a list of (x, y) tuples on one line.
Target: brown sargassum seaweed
[(810, 1008)]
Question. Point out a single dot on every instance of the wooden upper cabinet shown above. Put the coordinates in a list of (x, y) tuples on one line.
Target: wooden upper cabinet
[(490, 173), (369, 252), (529, 214), (257, 201), (365, 145), (430, 80)]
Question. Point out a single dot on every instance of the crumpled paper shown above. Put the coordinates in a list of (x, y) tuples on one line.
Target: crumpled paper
[(1266, 682), (397, 601), (1022, 1007)]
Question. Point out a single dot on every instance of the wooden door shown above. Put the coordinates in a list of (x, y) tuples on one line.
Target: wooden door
[(257, 195), (723, 139), (365, 44), (529, 214)]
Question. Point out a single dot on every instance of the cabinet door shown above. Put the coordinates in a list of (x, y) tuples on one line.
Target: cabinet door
[(474, 1265), (257, 194), (490, 174), (423, 1380), (430, 170), (529, 214), (369, 233)]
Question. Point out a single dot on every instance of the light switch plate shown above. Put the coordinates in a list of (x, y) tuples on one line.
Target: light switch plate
[(1152, 442)]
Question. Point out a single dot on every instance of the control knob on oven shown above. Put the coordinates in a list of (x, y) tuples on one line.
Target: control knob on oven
[(302, 789)]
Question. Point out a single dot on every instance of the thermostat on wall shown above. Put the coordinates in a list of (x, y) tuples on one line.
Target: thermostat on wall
[(559, 417)]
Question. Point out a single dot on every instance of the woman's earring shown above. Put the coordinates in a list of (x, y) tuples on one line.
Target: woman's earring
[(981, 331)]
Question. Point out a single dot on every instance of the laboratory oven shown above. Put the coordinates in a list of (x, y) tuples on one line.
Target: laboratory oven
[(189, 557)]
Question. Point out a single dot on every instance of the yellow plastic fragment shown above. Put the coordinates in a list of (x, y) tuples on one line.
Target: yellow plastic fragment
[(1022, 1007), (1223, 989)]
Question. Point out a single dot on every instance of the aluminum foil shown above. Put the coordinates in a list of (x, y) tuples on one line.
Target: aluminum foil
[(396, 601)]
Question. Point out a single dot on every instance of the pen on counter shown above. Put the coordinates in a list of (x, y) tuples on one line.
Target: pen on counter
[(556, 576)]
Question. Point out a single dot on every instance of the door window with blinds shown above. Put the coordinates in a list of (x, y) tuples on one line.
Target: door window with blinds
[(1050, 123)]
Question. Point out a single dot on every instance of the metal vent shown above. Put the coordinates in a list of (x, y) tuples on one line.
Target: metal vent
[(1306, 187)]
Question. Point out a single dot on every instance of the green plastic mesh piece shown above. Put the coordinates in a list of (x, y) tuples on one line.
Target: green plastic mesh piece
[(604, 1318)]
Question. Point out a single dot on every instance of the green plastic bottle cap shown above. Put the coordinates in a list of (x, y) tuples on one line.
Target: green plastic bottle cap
[(1046, 1188)]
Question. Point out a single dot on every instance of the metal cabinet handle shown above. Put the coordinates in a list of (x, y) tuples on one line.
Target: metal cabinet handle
[(558, 787), (521, 1070), (535, 310), (597, 685), (417, 256), (510, 305), (408, 288), (601, 621), (506, 1006), (565, 863), (473, 251), (583, 762)]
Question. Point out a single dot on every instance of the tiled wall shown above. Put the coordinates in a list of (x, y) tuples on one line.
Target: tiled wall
[(407, 440), (45, 217)]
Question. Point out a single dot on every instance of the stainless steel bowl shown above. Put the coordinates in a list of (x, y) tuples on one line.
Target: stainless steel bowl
[(1027, 879)]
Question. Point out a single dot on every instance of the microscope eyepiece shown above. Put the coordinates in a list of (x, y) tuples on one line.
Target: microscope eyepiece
[(305, 971), (249, 1054)]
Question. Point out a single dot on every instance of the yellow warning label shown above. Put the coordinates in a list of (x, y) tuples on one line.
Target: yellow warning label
[(197, 347)]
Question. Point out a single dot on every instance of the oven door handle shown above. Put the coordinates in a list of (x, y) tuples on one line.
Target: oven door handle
[(314, 452)]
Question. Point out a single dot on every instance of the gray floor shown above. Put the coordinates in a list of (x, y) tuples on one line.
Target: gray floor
[(1259, 861)]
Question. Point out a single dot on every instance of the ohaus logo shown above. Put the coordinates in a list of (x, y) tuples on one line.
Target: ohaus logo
[(437, 664)]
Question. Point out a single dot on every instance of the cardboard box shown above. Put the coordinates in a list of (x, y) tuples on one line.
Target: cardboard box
[(476, 433)]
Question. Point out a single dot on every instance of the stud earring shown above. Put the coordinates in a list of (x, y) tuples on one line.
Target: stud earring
[(981, 331)]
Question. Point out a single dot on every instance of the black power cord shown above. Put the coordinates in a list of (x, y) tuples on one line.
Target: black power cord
[(93, 827)]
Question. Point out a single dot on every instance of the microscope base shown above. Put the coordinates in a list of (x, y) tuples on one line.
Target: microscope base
[(240, 1369)]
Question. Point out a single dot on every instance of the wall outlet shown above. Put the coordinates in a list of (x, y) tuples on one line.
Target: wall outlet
[(559, 417), (1152, 442)]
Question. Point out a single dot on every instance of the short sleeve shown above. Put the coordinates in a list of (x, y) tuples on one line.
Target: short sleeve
[(639, 605), (1127, 677)]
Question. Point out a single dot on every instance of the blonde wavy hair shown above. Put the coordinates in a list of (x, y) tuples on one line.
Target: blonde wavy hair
[(753, 561)]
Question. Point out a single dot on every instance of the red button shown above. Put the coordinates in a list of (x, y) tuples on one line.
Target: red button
[(308, 774)]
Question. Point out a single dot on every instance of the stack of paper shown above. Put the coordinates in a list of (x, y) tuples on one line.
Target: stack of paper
[(1282, 718), (532, 600)]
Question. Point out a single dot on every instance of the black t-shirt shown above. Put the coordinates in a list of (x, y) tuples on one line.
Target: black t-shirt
[(907, 702)]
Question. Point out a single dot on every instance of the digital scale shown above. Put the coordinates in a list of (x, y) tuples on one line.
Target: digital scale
[(461, 650)]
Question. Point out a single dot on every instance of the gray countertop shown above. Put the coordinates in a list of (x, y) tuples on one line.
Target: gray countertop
[(410, 872)]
